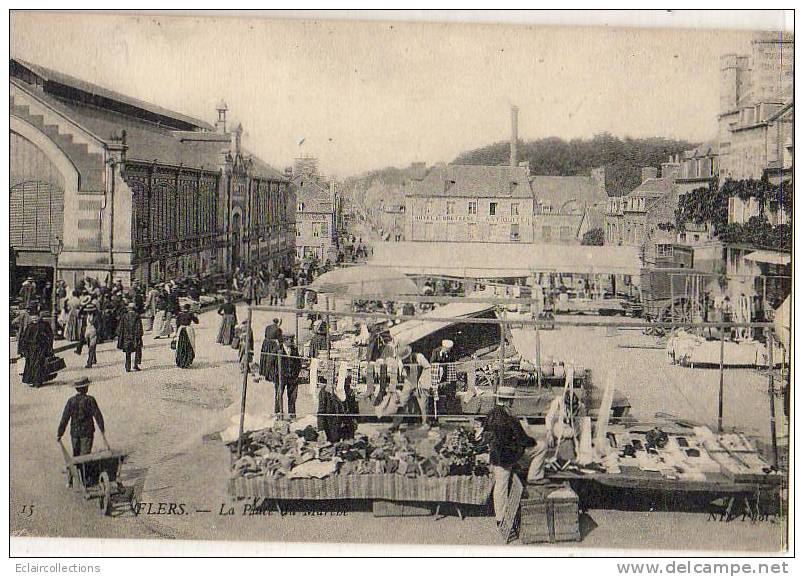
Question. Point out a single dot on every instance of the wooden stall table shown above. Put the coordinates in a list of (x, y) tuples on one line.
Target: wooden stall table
[(735, 494)]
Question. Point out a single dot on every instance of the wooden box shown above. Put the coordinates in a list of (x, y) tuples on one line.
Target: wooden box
[(383, 508), (550, 515), (564, 516), (534, 522)]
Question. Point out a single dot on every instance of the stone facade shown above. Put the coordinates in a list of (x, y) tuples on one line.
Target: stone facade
[(316, 212), (149, 194), (470, 204)]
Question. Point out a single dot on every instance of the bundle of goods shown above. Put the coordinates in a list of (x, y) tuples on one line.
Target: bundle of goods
[(286, 450), (691, 350), (683, 455)]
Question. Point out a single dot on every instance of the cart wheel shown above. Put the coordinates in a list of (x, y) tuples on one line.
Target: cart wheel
[(105, 493)]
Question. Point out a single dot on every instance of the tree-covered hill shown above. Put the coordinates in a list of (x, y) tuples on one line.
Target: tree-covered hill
[(623, 158)]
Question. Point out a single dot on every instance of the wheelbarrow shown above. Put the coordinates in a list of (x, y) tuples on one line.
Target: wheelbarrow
[(96, 474)]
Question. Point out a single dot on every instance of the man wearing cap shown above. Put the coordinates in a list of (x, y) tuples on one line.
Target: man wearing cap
[(129, 338), (81, 411), (508, 442)]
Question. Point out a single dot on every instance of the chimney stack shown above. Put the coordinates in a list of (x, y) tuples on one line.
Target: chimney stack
[(236, 138), (220, 124), (514, 136)]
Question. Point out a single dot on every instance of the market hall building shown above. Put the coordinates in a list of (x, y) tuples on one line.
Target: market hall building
[(128, 190)]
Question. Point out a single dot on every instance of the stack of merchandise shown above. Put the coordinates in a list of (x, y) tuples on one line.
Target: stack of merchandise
[(687, 456), (300, 450)]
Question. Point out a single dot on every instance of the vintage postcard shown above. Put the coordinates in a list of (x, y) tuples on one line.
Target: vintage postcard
[(321, 279)]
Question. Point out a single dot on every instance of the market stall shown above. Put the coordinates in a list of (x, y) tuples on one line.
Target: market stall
[(296, 461), (727, 469)]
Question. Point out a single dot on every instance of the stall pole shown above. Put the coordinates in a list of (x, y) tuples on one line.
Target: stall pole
[(672, 303), (720, 390), (772, 395), (329, 326), (245, 369), (502, 354), (278, 392)]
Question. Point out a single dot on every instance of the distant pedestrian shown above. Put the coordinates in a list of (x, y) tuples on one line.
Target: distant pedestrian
[(228, 314), (246, 346), (36, 345), (129, 339), (27, 292), (81, 411), (185, 337), (91, 336), (71, 329)]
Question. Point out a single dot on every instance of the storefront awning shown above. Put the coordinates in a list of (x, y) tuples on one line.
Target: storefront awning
[(769, 256)]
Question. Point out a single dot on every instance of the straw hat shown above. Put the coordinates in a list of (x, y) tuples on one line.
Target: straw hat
[(82, 383), (447, 344)]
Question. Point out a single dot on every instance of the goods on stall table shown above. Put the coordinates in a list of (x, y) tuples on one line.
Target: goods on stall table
[(678, 454), (279, 452)]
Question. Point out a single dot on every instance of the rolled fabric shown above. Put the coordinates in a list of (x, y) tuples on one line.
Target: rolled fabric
[(314, 378), (340, 388)]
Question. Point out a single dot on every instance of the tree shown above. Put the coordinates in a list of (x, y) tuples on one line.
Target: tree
[(593, 237)]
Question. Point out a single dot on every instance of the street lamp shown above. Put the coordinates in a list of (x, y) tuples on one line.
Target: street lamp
[(56, 245)]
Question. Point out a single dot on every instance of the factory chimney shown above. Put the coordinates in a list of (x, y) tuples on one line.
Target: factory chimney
[(514, 136)]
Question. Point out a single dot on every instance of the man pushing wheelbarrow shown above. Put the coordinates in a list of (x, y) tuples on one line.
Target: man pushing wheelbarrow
[(81, 411), (95, 474)]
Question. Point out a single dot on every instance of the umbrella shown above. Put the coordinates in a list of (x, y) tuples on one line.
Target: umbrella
[(359, 280)]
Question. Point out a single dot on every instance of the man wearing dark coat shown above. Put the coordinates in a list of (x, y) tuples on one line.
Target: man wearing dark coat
[(290, 364), (36, 345), (81, 411), (129, 339)]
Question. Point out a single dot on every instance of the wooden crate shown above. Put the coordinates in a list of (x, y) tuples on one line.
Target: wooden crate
[(549, 515), (564, 518), (534, 521), (383, 508)]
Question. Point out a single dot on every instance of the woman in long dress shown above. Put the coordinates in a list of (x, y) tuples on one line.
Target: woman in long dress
[(185, 338), (228, 314), (72, 327), (36, 345)]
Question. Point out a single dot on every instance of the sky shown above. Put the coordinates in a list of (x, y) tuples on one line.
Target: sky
[(365, 95)]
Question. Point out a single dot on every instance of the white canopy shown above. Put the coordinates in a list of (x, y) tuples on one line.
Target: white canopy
[(411, 331), (495, 260), (769, 256)]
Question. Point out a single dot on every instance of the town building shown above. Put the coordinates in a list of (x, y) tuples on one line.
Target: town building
[(117, 188), (756, 142), (634, 219), (698, 168), (316, 211), (392, 222), (756, 111), (562, 204), (499, 204), (470, 203)]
